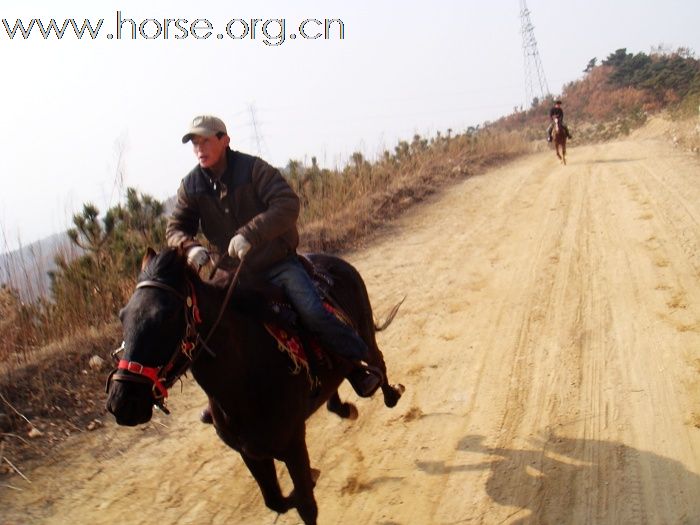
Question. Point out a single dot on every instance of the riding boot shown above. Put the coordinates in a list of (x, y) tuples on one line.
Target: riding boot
[(365, 379), (205, 416)]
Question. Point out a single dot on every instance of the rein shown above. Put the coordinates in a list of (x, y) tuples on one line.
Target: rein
[(229, 292), (191, 345)]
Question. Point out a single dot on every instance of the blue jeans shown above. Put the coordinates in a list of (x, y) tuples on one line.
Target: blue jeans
[(333, 335)]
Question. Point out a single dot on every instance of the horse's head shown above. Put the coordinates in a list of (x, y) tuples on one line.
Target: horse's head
[(158, 323)]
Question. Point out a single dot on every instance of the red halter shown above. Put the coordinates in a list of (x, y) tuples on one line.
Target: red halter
[(156, 375), (150, 372)]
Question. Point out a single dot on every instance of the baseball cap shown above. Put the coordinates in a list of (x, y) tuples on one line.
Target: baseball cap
[(206, 126)]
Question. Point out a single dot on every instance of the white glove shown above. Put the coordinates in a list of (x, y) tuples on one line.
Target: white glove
[(197, 256), (239, 246)]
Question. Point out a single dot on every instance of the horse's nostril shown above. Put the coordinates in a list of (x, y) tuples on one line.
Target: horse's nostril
[(129, 404)]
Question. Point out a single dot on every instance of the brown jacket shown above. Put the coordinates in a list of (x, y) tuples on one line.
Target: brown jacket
[(251, 198)]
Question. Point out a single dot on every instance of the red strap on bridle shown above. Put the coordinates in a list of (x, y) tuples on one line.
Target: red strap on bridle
[(150, 372), (191, 302)]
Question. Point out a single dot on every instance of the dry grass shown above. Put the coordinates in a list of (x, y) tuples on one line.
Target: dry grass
[(596, 110), (353, 203), (685, 132), (55, 390), (31, 317)]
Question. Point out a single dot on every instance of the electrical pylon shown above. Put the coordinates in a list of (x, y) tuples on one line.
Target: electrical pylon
[(535, 81)]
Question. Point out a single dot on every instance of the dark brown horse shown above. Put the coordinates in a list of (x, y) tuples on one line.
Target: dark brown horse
[(559, 137), (259, 407)]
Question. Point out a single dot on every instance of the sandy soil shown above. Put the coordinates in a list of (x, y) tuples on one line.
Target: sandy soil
[(550, 346)]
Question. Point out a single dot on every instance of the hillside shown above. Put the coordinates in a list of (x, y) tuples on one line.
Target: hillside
[(27, 268), (617, 94)]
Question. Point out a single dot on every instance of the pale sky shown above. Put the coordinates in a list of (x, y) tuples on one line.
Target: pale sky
[(402, 68)]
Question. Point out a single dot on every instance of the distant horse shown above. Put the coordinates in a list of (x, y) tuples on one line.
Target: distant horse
[(559, 137), (258, 406)]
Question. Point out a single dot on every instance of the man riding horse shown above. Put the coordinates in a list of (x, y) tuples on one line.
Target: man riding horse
[(556, 112), (247, 210)]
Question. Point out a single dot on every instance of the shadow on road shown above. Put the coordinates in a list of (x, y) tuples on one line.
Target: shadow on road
[(562, 480), (604, 161)]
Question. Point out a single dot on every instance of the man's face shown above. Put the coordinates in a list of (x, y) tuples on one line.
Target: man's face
[(209, 150)]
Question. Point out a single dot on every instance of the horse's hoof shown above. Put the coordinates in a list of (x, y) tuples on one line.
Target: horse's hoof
[(205, 416), (280, 506), (352, 413), (393, 394)]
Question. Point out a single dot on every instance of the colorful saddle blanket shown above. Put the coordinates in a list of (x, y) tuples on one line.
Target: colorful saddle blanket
[(292, 344)]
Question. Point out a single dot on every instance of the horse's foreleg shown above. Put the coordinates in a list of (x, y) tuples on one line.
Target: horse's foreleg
[(263, 470), (345, 410), (563, 152), (304, 479)]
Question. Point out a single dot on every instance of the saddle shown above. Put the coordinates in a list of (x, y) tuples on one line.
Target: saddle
[(269, 304)]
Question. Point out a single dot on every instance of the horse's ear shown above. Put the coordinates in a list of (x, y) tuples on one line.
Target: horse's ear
[(148, 256)]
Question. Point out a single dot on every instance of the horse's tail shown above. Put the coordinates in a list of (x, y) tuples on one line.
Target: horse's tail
[(390, 317)]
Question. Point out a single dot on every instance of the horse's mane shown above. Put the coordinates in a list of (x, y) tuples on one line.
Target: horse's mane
[(168, 266)]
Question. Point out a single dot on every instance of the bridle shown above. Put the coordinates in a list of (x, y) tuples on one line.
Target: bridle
[(160, 377), (190, 346)]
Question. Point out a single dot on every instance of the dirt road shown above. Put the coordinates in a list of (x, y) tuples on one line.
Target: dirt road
[(550, 346)]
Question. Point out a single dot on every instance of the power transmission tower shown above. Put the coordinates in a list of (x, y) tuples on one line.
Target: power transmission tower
[(535, 81), (254, 124)]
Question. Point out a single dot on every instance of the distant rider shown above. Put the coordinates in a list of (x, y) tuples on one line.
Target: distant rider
[(556, 111)]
